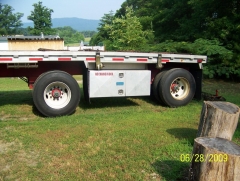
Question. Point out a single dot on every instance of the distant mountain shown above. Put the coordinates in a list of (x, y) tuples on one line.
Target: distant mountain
[(76, 23)]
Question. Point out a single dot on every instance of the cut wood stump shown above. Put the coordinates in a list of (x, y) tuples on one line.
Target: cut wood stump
[(218, 119), (215, 159)]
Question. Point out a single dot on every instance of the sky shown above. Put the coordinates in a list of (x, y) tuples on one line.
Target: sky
[(86, 9)]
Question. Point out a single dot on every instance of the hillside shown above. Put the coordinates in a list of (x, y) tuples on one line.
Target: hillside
[(76, 23)]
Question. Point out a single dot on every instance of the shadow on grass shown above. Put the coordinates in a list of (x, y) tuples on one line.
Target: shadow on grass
[(172, 170), (16, 97), (110, 102), (19, 97), (236, 135), (115, 101), (151, 100), (107, 102), (188, 134)]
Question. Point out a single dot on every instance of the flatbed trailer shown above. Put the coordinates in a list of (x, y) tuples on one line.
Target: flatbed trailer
[(173, 79)]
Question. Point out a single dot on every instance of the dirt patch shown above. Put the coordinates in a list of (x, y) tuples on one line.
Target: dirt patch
[(30, 158), (5, 147), (18, 118), (14, 161)]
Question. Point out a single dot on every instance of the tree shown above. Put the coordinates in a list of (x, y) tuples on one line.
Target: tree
[(126, 33), (102, 34), (70, 35), (173, 21), (95, 40), (41, 17), (9, 22), (143, 9), (23, 31), (88, 33), (209, 21), (183, 26)]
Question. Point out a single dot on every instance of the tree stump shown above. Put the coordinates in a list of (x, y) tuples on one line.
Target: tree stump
[(215, 159), (218, 119)]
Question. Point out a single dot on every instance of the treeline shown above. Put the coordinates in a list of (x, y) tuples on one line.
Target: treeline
[(208, 27), (69, 34), (87, 34), (11, 24)]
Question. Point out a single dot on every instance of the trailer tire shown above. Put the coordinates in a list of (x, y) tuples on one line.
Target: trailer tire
[(177, 87), (56, 93), (155, 86)]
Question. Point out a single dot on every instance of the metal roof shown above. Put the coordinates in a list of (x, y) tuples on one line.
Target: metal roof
[(47, 37)]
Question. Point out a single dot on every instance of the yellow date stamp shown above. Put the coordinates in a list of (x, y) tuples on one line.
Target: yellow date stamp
[(203, 158)]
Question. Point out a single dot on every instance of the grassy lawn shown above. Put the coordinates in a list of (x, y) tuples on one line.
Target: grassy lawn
[(73, 45), (109, 139), (87, 39)]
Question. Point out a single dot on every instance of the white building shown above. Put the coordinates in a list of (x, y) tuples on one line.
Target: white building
[(3, 43)]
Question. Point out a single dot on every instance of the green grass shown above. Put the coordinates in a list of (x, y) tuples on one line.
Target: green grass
[(87, 39), (109, 139), (77, 44), (73, 44)]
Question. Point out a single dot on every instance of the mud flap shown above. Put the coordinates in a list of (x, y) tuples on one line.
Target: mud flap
[(86, 85), (197, 74)]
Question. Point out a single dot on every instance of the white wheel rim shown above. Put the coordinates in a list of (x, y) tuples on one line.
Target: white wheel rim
[(179, 88), (57, 95)]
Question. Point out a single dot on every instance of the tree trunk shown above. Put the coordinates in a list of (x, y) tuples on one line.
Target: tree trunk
[(215, 159), (218, 119)]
